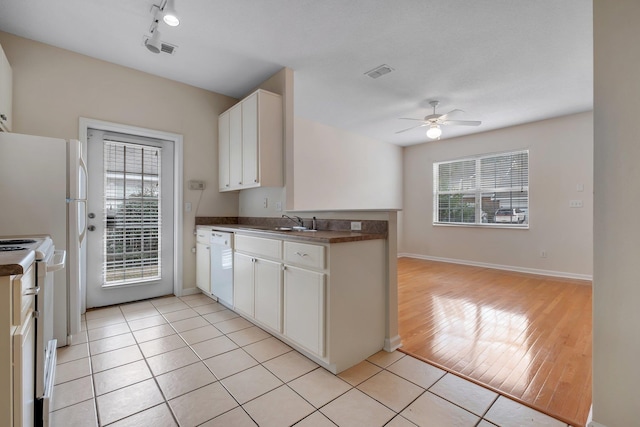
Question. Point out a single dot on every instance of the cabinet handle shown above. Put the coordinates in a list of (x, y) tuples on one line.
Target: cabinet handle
[(226, 185), (208, 247), (240, 183), (301, 254), (32, 291), (35, 314), (255, 180)]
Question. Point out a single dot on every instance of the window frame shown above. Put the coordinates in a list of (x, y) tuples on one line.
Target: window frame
[(477, 192)]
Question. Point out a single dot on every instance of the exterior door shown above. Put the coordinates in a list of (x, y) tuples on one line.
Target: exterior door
[(130, 218)]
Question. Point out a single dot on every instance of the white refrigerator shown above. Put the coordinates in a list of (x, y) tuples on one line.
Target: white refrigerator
[(43, 190)]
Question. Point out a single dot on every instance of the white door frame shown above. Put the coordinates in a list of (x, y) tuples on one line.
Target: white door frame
[(83, 128)]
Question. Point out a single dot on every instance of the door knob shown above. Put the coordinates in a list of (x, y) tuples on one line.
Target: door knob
[(91, 228)]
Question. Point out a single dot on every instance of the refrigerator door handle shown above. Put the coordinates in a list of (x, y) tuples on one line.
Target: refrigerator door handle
[(84, 185), (82, 233), (62, 256)]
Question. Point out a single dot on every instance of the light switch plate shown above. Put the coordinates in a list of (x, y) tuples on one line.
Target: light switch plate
[(356, 226)]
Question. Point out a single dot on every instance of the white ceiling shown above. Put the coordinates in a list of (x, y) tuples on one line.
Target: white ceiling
[(504, 62)]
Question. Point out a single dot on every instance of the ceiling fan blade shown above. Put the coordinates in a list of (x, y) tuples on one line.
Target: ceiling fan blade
[(412, 127), (444, 116), (406, 118), (462, 122)]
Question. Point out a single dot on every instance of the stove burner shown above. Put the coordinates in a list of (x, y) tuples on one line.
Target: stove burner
[(17, 242), (11, 248)]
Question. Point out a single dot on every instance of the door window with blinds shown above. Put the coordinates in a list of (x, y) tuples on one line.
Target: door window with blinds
[(487, 190), (132, 202)]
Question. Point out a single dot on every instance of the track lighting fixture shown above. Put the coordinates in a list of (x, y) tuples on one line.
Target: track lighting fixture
[(166, 12), (154, 44), (170, 16)]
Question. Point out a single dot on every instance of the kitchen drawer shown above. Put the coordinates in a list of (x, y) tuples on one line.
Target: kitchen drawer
[(203, 234), (270, 248), (304, 254), (24, 292)]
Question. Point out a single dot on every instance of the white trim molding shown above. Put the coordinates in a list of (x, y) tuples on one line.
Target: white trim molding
[(392, 344), (83, 127), (551, 273)]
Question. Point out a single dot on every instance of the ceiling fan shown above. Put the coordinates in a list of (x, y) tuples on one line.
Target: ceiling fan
[(434, 121)]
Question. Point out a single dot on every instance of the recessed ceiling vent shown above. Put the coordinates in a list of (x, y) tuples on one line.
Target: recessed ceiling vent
[(379, 71), (164, 46)]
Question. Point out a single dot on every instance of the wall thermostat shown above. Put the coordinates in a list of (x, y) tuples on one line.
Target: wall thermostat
[(196, 185)]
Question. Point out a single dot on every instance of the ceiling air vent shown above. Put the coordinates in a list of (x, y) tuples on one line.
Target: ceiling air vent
[(164, 46), (379, 71)]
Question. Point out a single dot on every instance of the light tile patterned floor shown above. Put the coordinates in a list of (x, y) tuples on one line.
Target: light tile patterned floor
[(191, 362)]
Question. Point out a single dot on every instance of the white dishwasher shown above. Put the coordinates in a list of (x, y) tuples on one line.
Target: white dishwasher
[(222, 266)]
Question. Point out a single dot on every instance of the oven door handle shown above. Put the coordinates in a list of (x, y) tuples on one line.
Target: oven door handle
[(62, 256)]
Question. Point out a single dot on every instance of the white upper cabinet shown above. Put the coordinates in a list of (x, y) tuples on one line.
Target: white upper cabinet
[(250, 138), (224, 179), (6, 93)]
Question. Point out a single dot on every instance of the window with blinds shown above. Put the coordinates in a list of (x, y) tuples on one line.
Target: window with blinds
[(483, 190), (132, 213)]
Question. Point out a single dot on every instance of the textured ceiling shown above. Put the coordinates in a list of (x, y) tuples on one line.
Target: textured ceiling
[(504, 62)]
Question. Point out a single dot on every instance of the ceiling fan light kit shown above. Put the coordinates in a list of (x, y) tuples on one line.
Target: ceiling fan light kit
[(167, 12), (434, 121), (434, 132)]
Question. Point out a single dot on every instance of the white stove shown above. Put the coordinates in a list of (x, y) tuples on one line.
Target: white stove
[(47, 260)]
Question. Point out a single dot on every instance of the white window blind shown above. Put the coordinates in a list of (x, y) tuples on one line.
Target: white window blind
[(483, 190), (132, 213)]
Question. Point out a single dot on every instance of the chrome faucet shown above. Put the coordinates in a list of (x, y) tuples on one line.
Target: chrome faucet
[(297, 220)]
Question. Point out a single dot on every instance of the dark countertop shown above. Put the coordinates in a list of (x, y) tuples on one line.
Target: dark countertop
[(16, 262), (323, 236)]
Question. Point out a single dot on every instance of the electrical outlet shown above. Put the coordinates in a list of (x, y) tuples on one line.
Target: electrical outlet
[(575, 203), (356, 226), (196, 185), (265, 202), (187, 207), (278, 206)]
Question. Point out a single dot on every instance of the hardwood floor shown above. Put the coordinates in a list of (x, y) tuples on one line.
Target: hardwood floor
[(525, 336)]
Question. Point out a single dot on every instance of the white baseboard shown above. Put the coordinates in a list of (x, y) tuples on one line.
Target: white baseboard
[(393, 343), (551, 273), (190, 291)]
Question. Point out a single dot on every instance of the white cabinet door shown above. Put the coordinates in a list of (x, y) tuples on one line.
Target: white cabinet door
[(268, 293), (250, 119), (6, 92), (235, 146), (203, 266), (243, 277), (224, 179), (24, 353), (304, 308)]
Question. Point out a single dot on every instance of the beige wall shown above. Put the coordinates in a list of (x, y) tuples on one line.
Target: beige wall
[(561, 156), (616, 340), (54, 87), (336, 169)]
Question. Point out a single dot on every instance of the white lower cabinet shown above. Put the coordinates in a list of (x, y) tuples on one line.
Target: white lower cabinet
[(258, 289), (304, 308), (24, 358), (17, 350), (203, 259), (325, 300), (268, 293), (243, 288)]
